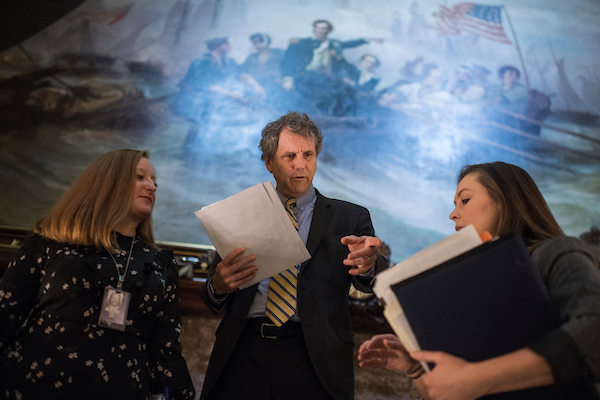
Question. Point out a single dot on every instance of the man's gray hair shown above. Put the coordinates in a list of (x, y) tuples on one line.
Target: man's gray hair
[(295, 122)]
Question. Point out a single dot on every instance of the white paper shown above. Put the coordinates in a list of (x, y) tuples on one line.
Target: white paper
[(255, 219), (436, 254), (394, 313)]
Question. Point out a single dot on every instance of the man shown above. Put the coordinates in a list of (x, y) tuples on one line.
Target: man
[(310, 355), (426, 96), (313, 66), (214, 85), (511, 94)]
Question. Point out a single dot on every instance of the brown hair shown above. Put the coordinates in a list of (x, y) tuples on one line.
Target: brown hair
[(523, 209), (89, 211), (296, 123), (323, 21), (376, 64)]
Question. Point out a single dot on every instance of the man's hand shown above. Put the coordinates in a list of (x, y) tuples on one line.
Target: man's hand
[(386, 351), (233, 271), (363, 253)]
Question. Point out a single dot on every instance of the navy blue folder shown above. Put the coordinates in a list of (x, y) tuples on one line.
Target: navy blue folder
[(484, 303)]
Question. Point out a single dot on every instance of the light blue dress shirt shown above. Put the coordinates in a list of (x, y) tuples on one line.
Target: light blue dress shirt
[(305, 205), (304, 208)]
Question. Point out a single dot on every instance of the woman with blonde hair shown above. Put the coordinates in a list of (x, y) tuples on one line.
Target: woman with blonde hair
[(502, 198), (56, 338)]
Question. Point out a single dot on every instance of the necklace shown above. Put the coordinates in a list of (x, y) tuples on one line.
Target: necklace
[(122, 277)]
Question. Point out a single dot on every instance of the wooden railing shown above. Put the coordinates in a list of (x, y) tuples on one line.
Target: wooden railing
[(193, 261)]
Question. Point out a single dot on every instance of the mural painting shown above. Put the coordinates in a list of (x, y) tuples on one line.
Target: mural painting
[(405, 92)]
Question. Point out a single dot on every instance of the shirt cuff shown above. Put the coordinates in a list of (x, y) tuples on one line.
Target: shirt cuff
[(369, 274), (214, 298)]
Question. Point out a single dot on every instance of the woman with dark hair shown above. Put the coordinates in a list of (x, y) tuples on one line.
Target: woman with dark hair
[(89, 308), (502, 198)]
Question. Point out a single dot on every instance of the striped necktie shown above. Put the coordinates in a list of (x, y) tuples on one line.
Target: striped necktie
[(281, 299)]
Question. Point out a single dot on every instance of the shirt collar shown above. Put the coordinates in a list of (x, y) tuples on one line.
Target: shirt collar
[(322, 41), (303, 200)]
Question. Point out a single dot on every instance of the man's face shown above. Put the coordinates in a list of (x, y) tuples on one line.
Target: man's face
[(259, 45), (510, 76), (321, 30), (463, 74), (294, 164), (434, 78), (225, 48), (368, 64)]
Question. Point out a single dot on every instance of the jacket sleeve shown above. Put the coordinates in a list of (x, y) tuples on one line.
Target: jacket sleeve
[(20, 286), (365, 228), (572, 277), (215, 305), (168, 368), (349, 44)]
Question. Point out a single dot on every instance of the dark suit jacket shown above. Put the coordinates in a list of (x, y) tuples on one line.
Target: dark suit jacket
[(298, 55), (323, 285)]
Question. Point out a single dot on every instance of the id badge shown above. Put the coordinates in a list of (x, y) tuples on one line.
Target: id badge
[(113, 312)]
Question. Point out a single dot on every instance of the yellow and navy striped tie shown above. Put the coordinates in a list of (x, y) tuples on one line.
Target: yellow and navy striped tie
[(281, 299)]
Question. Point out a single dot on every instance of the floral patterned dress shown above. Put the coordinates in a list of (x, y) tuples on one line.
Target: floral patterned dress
[(51, 345)]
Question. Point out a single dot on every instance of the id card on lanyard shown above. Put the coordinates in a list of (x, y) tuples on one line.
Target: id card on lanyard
[(113, 311)]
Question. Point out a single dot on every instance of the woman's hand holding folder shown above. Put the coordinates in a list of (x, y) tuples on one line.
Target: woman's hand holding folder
[(454, 378)]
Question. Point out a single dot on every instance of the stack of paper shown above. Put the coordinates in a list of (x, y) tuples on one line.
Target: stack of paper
[(255, 219), (444, 250)]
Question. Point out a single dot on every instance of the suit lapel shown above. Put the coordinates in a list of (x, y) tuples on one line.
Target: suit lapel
[(321, 217)]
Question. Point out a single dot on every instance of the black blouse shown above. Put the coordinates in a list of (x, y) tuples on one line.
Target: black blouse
[(50, 341)]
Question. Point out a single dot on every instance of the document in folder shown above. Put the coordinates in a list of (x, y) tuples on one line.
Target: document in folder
[(255, 219), (436, 254), (484, 303)]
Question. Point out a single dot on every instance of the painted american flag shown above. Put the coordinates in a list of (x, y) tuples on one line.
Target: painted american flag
[(485, 21)]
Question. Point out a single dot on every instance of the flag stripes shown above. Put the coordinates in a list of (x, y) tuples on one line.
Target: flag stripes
[(485, 21)]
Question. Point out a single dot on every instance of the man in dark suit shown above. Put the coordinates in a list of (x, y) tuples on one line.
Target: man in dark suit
[(314, 67), (260, 353)]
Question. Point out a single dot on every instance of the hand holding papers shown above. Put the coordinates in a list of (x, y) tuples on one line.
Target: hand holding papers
[(255, 219)]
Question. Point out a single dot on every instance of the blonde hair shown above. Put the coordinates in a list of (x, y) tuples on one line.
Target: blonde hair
[(89, 211), (523, 209)]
